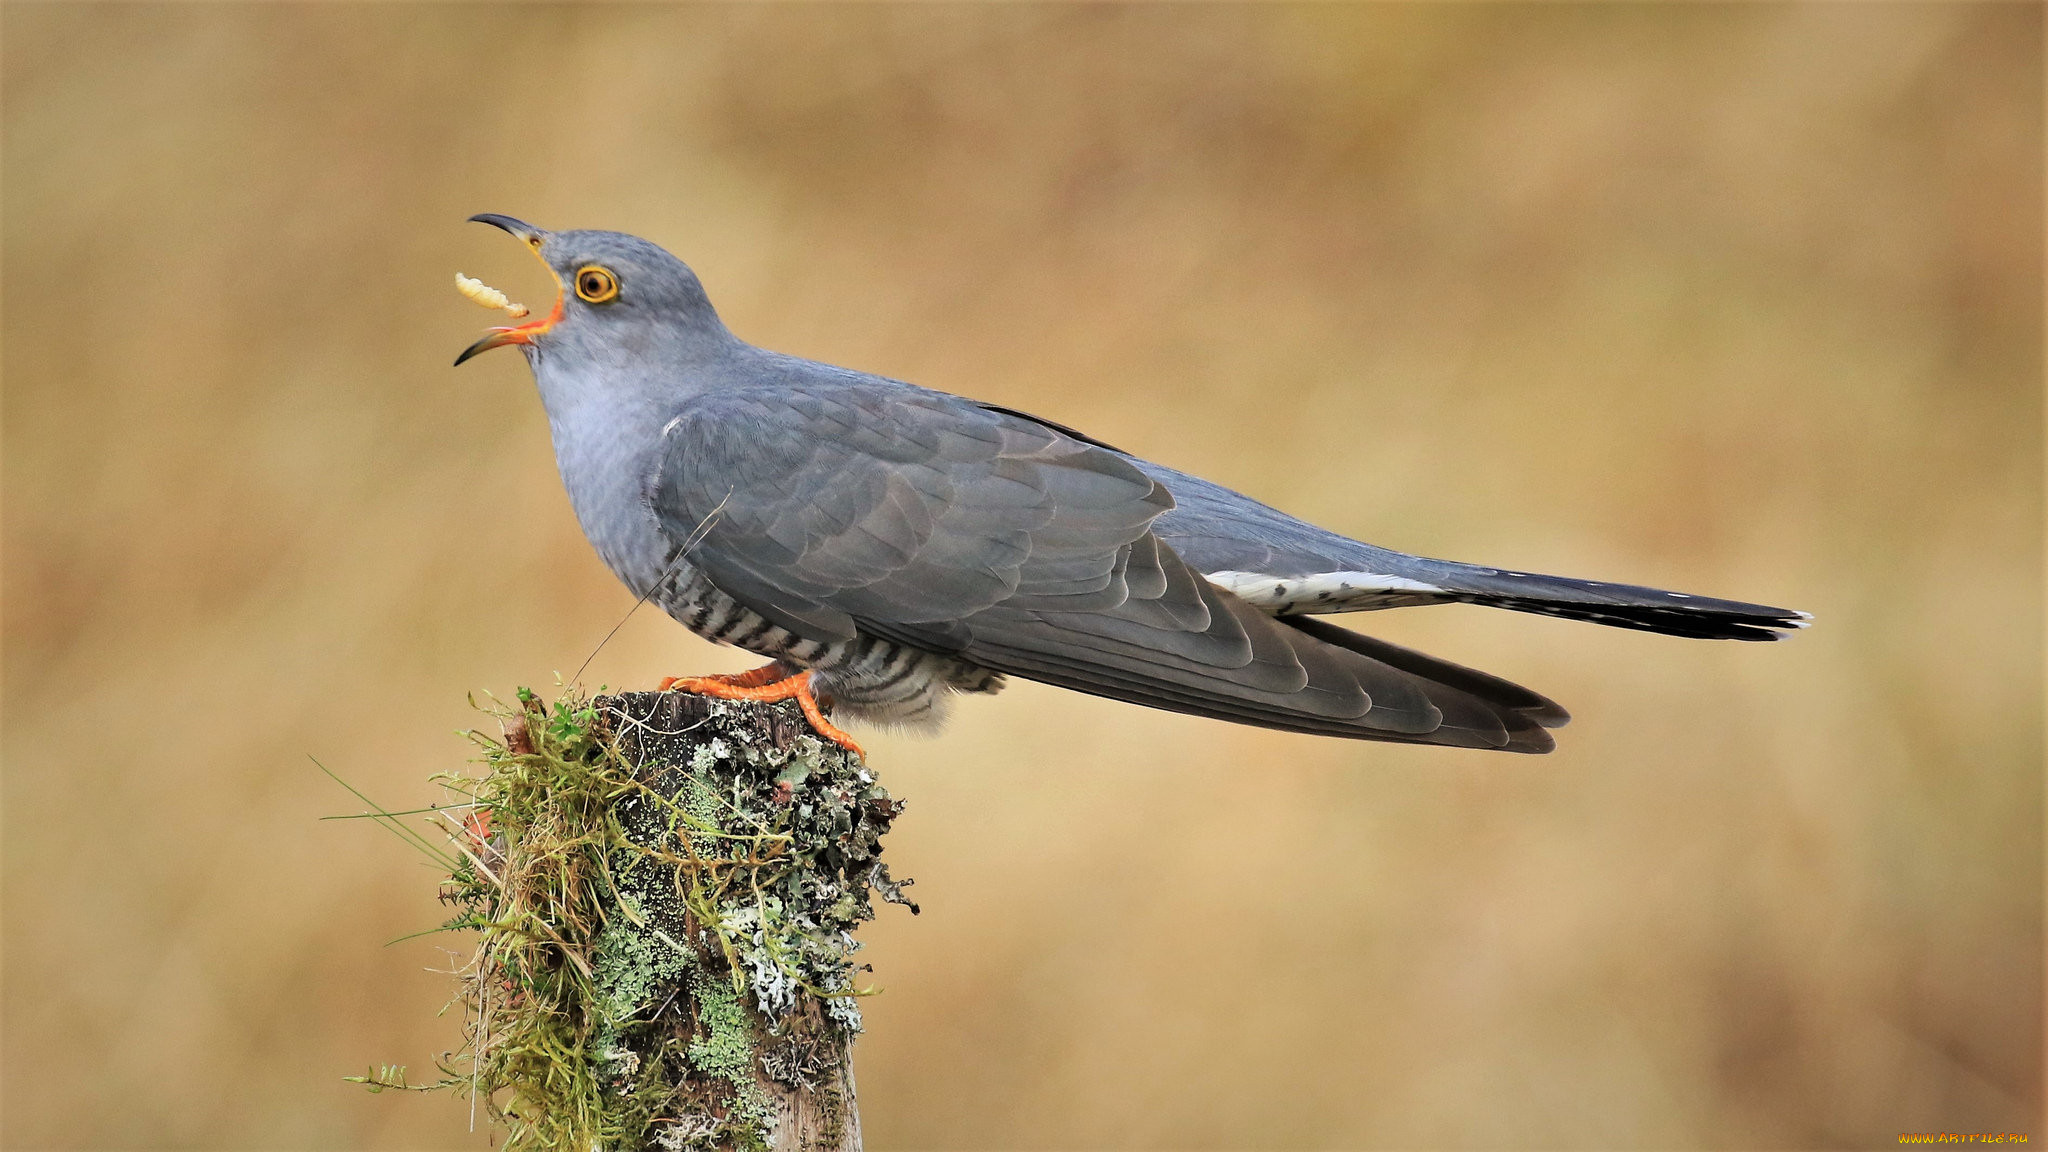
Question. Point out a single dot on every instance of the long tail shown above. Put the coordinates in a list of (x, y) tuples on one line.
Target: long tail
[(1290, 567), (1422, 581), (1619, 605)]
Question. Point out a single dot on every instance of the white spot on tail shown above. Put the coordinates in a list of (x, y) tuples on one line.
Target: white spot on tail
[(1318, 588)]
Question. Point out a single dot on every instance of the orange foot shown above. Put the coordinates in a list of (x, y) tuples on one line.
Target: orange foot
[(761, 684)]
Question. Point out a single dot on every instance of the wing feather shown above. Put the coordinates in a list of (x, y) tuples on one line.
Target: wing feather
[(873, 507)]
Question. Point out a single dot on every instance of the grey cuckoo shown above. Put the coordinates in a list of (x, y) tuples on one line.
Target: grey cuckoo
[(886, 546)]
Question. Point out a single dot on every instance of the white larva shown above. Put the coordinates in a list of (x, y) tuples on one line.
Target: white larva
[(487, 296)]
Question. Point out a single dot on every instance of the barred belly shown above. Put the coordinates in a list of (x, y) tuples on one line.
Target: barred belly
[(866, 678)]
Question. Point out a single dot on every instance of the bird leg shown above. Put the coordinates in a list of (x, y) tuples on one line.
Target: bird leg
[(762, 684)]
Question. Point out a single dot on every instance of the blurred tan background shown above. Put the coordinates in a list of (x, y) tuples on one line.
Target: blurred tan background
[(1739, 300)]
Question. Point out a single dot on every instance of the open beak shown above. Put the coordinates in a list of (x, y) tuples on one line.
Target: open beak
[(524, 333)]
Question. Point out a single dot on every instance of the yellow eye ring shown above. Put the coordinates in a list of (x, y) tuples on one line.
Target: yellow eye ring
[(595, 285)]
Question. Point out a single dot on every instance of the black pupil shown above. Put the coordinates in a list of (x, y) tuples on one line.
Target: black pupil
[(593, 284)]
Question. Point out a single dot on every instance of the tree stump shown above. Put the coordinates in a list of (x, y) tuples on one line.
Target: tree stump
[(668, 888)]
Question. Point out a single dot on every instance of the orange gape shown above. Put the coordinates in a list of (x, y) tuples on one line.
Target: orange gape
[(760, 684)]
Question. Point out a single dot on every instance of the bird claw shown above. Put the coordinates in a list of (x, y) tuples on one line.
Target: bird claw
[(761, 684)]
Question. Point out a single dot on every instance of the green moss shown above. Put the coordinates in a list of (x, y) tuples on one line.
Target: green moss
[(665, 920)]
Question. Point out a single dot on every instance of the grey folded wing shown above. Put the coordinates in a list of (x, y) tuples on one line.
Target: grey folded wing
[(881, 509)]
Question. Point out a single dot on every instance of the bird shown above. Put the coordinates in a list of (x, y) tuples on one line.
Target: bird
[(887, 546)]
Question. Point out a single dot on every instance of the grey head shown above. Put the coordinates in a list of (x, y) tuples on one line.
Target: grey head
[(621, 305), (630, 339)]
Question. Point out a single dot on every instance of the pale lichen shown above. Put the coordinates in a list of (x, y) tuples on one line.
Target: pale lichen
[(666, 891)]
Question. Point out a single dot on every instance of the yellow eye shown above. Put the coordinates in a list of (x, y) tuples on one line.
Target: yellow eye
[(595, 285)]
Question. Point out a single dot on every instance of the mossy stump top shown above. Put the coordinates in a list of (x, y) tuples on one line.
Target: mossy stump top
[(667, 891)]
